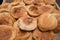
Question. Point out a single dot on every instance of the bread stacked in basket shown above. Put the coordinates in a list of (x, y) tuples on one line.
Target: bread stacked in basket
[(29, 20)]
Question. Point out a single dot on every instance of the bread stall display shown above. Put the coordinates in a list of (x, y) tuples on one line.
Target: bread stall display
[(29, 20)]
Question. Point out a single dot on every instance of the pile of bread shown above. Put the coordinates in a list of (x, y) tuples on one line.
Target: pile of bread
[(29, 20)]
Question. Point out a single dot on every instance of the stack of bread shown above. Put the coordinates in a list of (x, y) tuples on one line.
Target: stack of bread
[(29, 20)]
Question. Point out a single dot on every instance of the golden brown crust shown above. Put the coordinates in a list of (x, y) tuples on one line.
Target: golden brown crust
[(18, 11), (47, 35), (57, 15), (47, 22), (32, 10), (16, 4), (4, 10), (37, 34), (6, 18), (38, 2), (46, 9), (28, 1), (7, 32), (29, 20), (13, 4), (27, 23), (30, 37), (22, 35), (4, 6), (49, 1), (16, 26)]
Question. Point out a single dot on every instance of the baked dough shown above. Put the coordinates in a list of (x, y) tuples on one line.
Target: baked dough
[(37, 34), (38, 2), (27, 23), (32, 10), (16, 4), (28, 1), (4, 6), (22, 35), (57, 15), (30, 37), (49, 1), (45, 9), (6, 18), (47, 22), (47, 35), (18, 11), (7, 32)]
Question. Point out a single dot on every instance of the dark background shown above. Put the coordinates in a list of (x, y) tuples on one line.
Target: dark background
[(58, 2), (1, 2)]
